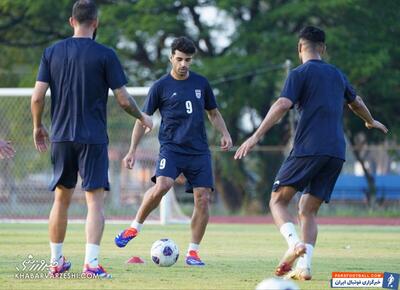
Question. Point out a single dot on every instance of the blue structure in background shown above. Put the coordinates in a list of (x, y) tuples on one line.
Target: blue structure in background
[(352, 188)]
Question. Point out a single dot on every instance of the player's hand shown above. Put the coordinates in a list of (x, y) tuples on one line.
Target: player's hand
[(6, 150), (146, 122), (377, 125), (40, 137), (226, 142), (129, 159), (245, 148)]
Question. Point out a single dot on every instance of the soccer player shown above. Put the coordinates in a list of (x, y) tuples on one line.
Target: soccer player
[(79, 72), (6, 149), (181, 97), (319, 90)]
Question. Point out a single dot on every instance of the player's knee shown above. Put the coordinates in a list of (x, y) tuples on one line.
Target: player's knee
[(95, 200), (202, 200), (277, 199), (162, 188), (62, 200), (306, 213)]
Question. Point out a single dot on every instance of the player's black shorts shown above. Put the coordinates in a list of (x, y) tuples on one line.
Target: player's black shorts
[(90, 160), (316, 175), (196, 168)]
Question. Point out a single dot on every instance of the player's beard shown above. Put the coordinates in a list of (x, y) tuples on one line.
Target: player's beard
[(182, 71), (94, 34)]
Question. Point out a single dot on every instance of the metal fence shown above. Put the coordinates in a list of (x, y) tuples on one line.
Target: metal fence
[(25, 178)]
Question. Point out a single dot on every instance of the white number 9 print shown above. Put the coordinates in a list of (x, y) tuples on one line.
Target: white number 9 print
[(162, 163), (189, 107)]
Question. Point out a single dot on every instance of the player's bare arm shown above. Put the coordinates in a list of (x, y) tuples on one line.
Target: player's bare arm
[(361, 110), (218, 122), (128, 103), (40, 134), (275, 113), (137, 134)]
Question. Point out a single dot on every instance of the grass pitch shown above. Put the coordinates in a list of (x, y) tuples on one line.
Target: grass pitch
[(237, 256)]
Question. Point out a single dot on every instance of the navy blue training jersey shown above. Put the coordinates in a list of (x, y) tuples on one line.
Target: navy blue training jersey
[(319, 91), (181, 104), (80, 72)]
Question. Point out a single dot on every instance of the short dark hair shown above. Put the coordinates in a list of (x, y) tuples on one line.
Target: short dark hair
[(313, 34), (84, 11), (183, 44)]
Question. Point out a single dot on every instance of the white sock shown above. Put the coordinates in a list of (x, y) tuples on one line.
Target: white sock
[(56, 251), (305, 261), (302, 262), (288, 231), (309, 254), (136, 225), (193, 247), (92, 255)]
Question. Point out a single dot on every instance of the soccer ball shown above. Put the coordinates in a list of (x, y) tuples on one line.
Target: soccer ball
[(164, 252), (277, 284)]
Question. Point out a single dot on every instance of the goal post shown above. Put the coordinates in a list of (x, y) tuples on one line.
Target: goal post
[(23, 186)]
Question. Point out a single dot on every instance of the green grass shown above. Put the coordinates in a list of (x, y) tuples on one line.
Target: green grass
[(237, 256)]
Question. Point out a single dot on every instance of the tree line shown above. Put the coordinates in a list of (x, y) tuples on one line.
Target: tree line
[(242, 47)]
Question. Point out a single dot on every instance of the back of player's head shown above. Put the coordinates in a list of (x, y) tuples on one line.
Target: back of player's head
[(312, 34), (84, 11), (183, 44)]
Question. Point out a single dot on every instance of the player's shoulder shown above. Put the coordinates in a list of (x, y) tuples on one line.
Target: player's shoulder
[(338, 70), (103, 47), (57, 44), (198, 77), (297, 72), (103, 50), (312, 67), (158, 86), (164, 78), (97, 46), (162, 81), (301, 69), (334, 69)]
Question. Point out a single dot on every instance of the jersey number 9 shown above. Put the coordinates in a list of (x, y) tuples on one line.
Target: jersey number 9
[(189, 107)]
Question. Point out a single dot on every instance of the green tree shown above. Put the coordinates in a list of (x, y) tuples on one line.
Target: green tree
[(361, 40), (246, 68)]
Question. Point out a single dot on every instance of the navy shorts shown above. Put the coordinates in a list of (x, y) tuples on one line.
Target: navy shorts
[(196, 168), (90, 160), (316, 175)]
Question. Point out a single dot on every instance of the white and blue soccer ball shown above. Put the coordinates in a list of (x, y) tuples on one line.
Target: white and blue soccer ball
[(277, 284), (164, 252)]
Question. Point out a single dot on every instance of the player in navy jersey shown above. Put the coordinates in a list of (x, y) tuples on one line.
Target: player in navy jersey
[(79, 72), (319, 90), (181, 96)]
